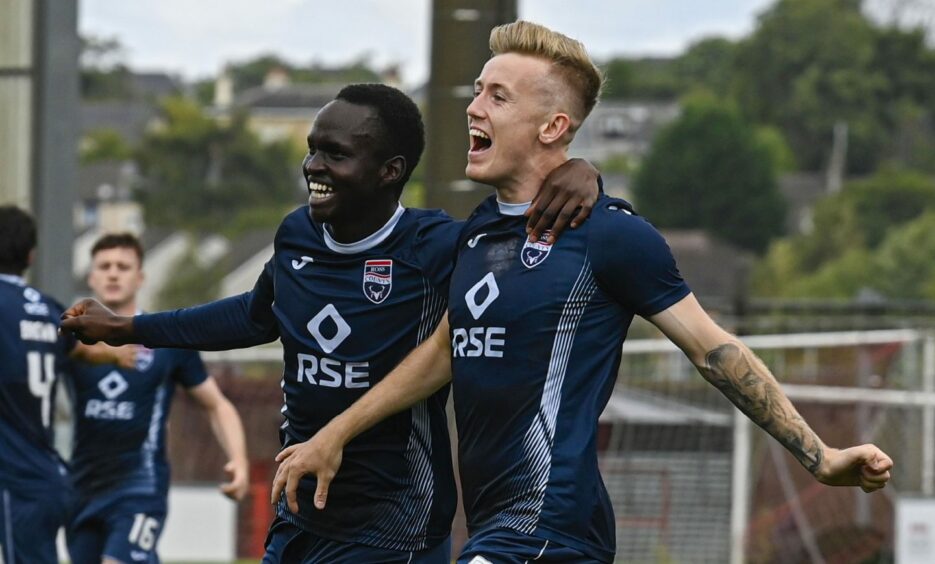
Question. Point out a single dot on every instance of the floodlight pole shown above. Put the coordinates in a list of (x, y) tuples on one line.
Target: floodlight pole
[(460, 32)]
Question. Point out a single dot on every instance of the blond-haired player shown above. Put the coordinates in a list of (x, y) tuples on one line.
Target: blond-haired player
[(533, 332)]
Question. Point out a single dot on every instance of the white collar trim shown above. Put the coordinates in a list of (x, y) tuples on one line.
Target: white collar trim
[(13, 279), (368, 242), (513, 209)]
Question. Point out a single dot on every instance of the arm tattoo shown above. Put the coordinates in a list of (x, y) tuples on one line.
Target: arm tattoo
[(748, 384)]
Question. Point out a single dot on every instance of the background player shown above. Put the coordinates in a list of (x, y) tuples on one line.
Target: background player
[(34, 490), (355, 283), (119, 465), (534, 333)]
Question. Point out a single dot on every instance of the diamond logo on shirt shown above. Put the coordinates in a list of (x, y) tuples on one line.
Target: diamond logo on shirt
[(493, 292), (378, 280), (535, 252), (112, 385), (319, 324)]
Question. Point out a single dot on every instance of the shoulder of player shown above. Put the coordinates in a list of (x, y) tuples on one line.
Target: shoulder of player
[(616, 229), (617, 217)]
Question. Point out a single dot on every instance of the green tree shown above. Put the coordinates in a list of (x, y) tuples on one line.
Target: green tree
[(708, 64), (870, 235), (202, 173), (808, 65), (103, 145), (709, 170), (251, 73), (103, 73)]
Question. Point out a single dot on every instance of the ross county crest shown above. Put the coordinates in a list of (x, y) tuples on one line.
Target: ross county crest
[(144, 358), (533, 253), (378, 279)]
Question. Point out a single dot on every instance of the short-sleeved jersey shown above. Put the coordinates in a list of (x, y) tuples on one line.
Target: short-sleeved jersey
[(536, 333), (34, 358), (120, 421), (346, 316)]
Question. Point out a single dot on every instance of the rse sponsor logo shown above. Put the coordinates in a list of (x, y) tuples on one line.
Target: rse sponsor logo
[(40, 331), (487, 342), (331, 373), (109, 410)]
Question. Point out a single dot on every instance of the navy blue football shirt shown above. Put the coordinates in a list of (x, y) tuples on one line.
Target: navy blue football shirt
[(120, 421), (34, 358), (536, 335), (346, 315)]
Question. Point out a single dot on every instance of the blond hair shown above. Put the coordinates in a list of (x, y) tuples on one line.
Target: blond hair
[(568, 56)]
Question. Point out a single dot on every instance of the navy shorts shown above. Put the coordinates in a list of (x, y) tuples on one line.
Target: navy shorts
[(505, 546), (123, 528), (30, 523), (288, 544)]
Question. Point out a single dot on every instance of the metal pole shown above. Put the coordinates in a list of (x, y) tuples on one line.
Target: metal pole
[(740, 487), (928, 416), (460, 33), (55, 143)]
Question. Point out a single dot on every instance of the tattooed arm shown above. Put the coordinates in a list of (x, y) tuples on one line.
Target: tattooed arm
[(733, 369)]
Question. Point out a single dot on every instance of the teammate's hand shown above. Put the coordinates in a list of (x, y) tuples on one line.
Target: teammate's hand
[(91, 322), (567, 195), (239, 483), (321, 455), (866, 466)]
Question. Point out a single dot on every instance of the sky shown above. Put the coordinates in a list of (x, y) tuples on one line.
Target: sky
[(195, 38)]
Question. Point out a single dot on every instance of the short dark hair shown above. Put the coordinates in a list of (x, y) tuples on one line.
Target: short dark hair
[(17, 239), (118, 241), (402, 122)]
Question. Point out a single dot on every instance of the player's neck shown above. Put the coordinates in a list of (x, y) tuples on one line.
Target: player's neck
[(368, 222), (524, 184)]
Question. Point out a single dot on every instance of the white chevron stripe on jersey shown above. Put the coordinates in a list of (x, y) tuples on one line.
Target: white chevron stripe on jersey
[(407, 517), (529, 492)]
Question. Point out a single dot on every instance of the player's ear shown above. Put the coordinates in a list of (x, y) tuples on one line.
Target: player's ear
[(555, 128), (393, 170)]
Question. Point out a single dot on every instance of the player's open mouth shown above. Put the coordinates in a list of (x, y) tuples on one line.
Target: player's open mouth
[(318, 192), (480, 141)]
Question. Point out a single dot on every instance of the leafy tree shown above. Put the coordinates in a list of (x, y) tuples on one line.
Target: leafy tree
[(708, 64), (104, 145), (646, 78), (808, 65), (201, 173), (252, 73), (870, 235), (709, 170), (103, 73)]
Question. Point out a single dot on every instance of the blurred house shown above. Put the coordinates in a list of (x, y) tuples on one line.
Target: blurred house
[(617, 127), (716, 271), (277, 109), (105, 187)]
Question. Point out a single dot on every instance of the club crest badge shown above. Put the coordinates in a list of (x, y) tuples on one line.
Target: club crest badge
[(378, 279), (144, 358), (535, 252)]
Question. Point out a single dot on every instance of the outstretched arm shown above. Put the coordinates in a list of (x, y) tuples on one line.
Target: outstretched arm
[(236, 322), (228, 429), (733, 369), (418, 376)]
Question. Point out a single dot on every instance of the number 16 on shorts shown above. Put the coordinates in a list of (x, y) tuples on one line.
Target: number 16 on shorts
[(144, 532)]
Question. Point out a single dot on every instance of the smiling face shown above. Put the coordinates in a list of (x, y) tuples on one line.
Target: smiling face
[(116, 276), (511, 104), (347, 169)]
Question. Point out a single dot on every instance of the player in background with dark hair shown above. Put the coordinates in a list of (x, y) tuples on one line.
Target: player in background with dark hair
[(119, 467), (356, 282), (534, 331), (34, 491)]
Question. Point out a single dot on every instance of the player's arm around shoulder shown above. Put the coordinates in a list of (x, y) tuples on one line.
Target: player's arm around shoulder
[(228, 429), (735, 370), (423, 372)]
